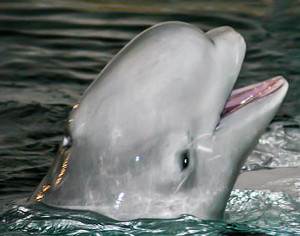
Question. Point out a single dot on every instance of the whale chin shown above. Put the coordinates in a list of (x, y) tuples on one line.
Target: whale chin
[(241, 97)]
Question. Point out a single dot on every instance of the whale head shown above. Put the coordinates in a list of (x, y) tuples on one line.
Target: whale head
[(161, 132)]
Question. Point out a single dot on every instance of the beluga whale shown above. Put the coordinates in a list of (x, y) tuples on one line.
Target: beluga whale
[(161, 132)]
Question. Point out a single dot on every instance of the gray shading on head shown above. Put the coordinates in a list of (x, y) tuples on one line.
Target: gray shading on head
[(150, 138)]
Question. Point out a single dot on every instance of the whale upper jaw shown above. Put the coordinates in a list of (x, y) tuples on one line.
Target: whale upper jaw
[(161, 95)]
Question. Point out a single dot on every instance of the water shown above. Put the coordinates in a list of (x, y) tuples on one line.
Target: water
[(51, 51)]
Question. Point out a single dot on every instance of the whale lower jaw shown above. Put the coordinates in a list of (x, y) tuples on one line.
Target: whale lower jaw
[(241, 97)]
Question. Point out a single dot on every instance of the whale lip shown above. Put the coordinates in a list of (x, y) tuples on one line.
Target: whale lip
[(241, 97)]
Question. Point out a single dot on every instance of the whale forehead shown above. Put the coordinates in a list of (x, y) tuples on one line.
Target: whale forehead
[(165, 78)]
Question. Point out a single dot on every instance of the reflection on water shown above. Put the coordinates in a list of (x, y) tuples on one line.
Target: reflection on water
[(248, 213), (50, 52), (278, 147)]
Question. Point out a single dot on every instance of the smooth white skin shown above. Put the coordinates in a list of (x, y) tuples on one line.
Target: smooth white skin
[(160, 95)]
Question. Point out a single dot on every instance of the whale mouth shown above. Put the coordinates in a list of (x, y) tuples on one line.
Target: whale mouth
[(242, 96)]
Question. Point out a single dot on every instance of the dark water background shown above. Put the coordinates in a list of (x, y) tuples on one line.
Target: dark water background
[(50, 51)]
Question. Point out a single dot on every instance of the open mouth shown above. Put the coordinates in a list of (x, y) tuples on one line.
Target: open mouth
[(243, 96)]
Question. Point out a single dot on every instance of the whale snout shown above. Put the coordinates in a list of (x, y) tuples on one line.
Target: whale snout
[(230, 43), (236, 44)]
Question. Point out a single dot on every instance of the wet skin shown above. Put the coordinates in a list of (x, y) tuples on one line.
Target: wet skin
[(160, 133)]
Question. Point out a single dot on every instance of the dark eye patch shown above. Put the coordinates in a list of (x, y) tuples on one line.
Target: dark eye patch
[(185, 159)]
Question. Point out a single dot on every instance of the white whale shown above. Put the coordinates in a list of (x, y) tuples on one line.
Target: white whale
[(160, 133)]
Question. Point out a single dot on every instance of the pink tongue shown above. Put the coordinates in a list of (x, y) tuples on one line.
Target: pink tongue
[(241, 97)]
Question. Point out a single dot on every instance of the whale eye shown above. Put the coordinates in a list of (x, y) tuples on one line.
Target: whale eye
[(185, 159)]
